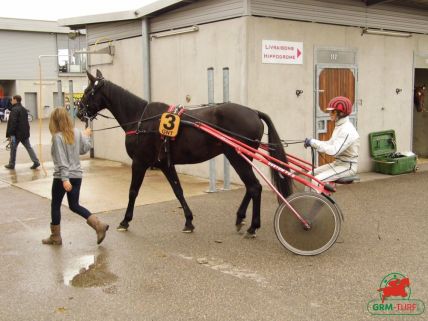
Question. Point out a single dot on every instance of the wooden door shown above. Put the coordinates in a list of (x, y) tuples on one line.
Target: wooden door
[(333, 82)]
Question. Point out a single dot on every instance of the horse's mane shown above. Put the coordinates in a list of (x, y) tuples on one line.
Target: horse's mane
[(123, 96)]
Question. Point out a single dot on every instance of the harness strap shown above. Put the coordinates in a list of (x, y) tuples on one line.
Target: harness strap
[(176, 110)]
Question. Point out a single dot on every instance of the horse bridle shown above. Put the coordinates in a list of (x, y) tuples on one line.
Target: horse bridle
[(98, 84)]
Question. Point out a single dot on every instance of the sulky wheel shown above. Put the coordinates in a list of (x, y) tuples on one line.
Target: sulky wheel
[(321, 214)]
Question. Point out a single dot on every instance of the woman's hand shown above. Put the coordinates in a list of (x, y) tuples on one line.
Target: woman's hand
[(67, 186), (87, 132)]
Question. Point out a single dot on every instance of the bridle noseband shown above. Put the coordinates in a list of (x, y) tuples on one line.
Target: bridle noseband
[(98, 84)]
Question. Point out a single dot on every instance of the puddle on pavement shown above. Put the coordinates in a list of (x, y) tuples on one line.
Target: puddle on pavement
[(89, 271), (22, 176), (13, 178)]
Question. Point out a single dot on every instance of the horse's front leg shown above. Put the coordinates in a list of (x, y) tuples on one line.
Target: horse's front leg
[(172, 177), (138, 172)]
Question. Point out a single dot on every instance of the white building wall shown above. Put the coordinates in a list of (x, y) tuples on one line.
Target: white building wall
[(126, 71), (179, 67), (384, 64)]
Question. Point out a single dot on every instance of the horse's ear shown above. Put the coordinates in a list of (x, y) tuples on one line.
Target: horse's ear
[(91, 78), (99, 74)]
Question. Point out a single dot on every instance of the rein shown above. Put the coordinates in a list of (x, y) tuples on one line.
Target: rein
[(265, 146), (129, 123)]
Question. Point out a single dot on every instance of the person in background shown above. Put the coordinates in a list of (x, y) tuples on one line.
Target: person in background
[(68, 144), (343, 144), (18, 131)]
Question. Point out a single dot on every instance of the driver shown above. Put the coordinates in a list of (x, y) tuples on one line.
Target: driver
[(343, 144)]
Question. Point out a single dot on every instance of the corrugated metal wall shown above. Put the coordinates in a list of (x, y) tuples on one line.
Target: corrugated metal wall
[(113, 31), (197, 13), (344, 12), (192, 14), (341, 12), (20, 52)]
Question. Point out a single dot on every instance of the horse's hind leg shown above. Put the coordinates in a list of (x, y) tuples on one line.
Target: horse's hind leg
[(138, 172), (253, 192), (242, 211), (172, 177)]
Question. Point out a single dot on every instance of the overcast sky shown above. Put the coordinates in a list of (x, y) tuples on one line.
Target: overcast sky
[(55, 9)]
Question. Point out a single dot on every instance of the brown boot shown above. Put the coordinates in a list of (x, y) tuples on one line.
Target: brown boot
[(55, 238), (98, 226)]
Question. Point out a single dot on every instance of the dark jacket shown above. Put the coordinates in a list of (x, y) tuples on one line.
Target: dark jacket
[(18, 124)]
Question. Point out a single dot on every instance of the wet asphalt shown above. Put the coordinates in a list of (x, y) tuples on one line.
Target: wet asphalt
[(155, 272)]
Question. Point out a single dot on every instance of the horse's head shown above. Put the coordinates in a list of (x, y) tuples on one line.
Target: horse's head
[(419, 97), (93, 99)]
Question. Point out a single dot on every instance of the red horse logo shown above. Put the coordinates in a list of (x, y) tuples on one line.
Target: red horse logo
[(395, 287)]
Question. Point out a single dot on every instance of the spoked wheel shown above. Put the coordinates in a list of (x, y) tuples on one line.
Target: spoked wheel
[(321, 214)]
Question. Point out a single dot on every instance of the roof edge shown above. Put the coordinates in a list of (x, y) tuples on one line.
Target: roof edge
[(32, 25), (98, 18), (78, 22), (155, 6)]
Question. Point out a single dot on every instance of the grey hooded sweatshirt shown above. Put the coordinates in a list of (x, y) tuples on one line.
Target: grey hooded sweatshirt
[(66, 157)]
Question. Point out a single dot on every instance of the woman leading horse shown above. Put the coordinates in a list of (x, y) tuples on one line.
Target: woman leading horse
[(145, 146)]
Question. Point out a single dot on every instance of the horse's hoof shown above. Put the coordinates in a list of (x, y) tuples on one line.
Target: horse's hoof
[(188, 229), (239, 225), (250, 235), (121, 228)]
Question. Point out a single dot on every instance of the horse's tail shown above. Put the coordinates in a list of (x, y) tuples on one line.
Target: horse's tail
[(282, 182)]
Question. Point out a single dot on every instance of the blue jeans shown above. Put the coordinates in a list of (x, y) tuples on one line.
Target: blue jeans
[(14, 146), (58, 193)]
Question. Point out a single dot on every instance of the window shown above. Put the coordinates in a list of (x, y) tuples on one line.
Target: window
[(69, 58)]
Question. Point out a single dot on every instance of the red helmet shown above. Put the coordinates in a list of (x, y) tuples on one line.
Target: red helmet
[(342, 104)]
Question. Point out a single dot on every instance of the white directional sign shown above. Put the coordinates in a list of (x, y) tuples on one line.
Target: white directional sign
[(282, 52)]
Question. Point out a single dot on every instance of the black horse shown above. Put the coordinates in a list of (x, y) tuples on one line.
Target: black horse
[(144, 144)]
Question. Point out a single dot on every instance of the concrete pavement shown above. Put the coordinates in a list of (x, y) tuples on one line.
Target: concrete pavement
[(155, 272), (105, 183)]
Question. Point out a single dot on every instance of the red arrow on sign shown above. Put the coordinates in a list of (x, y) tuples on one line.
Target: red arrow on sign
[(298, 52)]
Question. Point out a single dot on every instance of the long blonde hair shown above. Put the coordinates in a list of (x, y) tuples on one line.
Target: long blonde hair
[(60, 121)]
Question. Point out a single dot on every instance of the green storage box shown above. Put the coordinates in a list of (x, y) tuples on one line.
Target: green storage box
[(383, 150)]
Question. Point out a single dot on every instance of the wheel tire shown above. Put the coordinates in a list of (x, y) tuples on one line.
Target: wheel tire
[(322, 215)]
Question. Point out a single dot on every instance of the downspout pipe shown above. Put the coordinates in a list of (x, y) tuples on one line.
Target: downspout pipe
[(146, 58)]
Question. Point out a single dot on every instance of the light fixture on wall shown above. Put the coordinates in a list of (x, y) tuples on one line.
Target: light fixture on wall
[(381, 32), (174, 32), (398, 90), (299, 92)]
